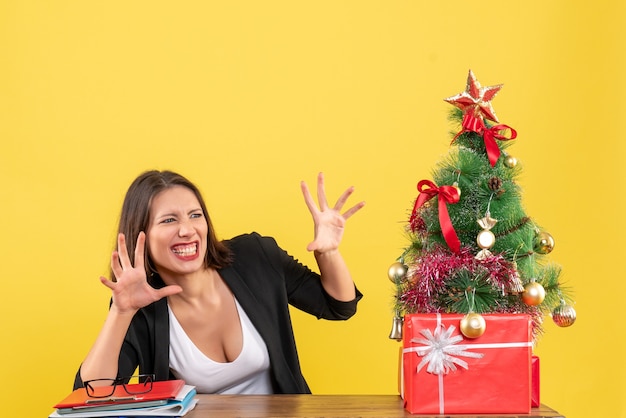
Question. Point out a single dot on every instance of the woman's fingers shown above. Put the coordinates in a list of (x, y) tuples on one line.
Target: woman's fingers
[(122, 251), (321, 192), (343, 198), (354, 209), (120, 260), (308, 198), (323, 204), (139, 250), (116, 267), (321, 196), (108, 283)]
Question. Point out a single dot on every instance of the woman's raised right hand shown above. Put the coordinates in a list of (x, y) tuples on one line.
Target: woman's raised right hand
[(131, 290)]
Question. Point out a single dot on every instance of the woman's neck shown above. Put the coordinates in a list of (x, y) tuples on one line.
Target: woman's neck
[(202, 284)]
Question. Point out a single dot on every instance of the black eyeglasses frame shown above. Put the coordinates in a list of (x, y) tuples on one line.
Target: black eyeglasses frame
[(145, 380)]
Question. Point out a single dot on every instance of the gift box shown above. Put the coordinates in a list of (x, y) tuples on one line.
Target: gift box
[(447, 373), (534, 386)]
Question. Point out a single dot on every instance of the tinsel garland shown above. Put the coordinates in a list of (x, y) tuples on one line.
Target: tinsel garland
[(431, 272)]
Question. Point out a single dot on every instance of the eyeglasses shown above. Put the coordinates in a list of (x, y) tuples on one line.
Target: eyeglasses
[(133, 385)]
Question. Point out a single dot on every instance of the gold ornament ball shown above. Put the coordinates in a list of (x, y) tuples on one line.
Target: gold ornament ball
[(533, 294), (544, 243), (510, 161), (564, 315), (397, 271), (473, 325)]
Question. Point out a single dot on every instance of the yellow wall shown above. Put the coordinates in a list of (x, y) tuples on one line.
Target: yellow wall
[(249, 98)]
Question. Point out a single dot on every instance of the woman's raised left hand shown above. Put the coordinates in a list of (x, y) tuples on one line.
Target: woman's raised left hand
[(328, 221)]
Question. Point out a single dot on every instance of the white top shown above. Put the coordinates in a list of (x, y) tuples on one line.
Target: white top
[(249, 373)]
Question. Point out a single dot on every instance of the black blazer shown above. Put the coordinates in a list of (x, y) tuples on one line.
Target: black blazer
[(265, 280)]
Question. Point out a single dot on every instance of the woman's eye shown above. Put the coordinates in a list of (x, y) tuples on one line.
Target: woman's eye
[(167, 220), (196, 215)]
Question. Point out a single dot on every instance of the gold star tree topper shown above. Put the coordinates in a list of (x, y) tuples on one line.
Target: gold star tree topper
[(476, 99)]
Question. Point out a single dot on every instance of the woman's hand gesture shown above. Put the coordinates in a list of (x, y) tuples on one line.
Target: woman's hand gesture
[(328, 222), (131, 290)]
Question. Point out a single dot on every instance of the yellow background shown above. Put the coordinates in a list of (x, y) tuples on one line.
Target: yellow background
[(249, 98)]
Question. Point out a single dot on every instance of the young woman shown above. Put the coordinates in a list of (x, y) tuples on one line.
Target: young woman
[(213, 313)]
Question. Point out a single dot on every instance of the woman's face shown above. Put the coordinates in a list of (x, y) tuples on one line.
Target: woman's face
[(177, 232)]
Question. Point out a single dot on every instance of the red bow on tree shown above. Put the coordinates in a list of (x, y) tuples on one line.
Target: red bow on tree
[(447, 194), (472, 123)]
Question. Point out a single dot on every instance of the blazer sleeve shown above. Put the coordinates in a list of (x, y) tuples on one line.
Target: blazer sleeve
[(304, 287)]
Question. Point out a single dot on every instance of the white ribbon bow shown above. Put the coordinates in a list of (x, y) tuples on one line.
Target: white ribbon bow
[(439, 350)]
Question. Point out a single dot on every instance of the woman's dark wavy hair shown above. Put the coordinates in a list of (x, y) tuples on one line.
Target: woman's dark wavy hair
[(135, 217)]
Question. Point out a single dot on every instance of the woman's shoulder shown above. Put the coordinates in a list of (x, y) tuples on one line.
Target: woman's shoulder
[(250, 239), (254, 248)]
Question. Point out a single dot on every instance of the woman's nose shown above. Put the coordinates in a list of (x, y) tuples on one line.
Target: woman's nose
[(185, 229)]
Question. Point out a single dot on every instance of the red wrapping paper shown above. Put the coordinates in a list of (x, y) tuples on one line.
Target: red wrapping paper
[(535, 400), (499, 382)]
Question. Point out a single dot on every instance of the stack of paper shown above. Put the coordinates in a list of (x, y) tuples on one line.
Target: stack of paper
[(170, 398)]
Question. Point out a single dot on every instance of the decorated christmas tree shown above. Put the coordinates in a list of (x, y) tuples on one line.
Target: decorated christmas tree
[(473, 249)]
